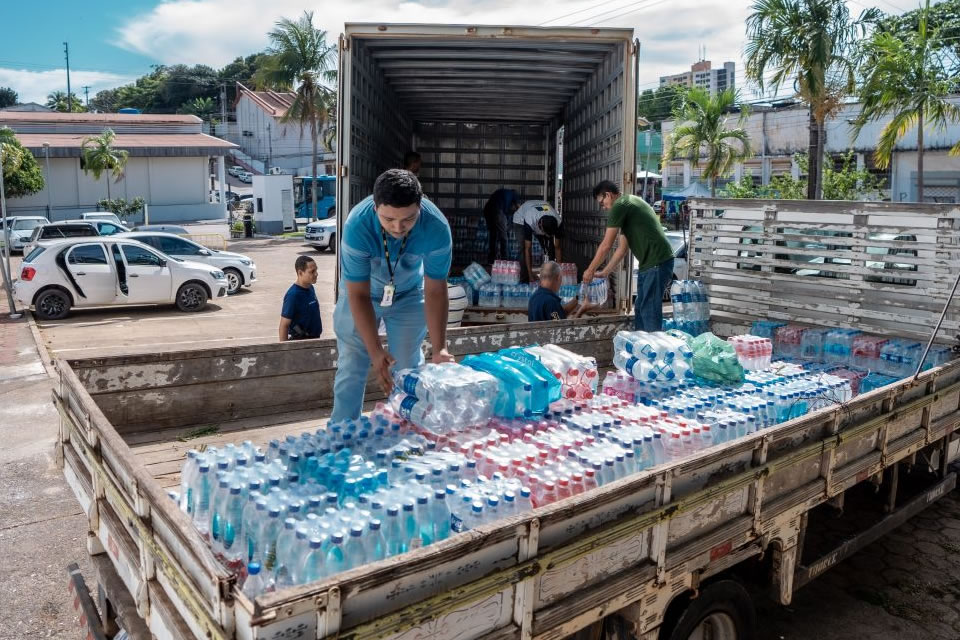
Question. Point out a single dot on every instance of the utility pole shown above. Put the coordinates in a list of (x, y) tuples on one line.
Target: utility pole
[(86, 95), (223, 104), (66, 53)]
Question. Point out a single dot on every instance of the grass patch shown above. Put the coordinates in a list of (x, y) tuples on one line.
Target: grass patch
[(199, 433), (293, 234)]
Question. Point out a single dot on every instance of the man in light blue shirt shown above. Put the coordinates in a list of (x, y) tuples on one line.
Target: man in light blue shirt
[(394, 259)]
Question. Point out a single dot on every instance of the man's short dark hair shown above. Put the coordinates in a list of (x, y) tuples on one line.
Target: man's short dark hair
[(302, 263), (397, 188), (549, 225), (606, 186), (409, 158)]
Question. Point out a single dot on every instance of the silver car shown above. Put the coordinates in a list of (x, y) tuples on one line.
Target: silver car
[(19, 229)]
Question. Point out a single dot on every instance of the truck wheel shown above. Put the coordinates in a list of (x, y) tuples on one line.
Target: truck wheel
[(722, 611), (234, 281), (52, 304), (191, 297), (332, 246)]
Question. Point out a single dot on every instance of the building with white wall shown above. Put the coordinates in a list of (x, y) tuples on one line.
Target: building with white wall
[(703, 76), (168, 166), (265, 139), (778, 132)]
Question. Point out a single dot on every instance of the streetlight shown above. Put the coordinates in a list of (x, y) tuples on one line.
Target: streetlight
[(46, 157)]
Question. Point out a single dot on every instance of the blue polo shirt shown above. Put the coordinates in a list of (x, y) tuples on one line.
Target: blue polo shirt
[(428, 250), (300, 306), (545, 305)]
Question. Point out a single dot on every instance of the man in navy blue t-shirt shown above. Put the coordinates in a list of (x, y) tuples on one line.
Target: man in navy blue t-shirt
[(545, 304), (300, 316)]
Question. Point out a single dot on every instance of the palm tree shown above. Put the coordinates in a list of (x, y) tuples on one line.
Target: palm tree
[(299, 58), (60, 101), (99, 155), (702, 132), (906, 75), (201, 107), (808, 42)]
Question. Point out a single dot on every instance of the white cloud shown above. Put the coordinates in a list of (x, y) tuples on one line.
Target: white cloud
[(214, 32), (33, 86)]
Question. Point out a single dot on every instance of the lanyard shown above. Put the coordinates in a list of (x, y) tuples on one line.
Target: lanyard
[(386, 251)]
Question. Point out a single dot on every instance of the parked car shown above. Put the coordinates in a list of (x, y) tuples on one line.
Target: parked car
[(166, 228), (678, 241), (235, 170), (240, 270), (59, 231), (245, 176), (101, 215), (97, 272), (322, 235), (19, 229), (104, 227)]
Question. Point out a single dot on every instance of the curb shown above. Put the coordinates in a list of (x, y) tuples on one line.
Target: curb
[(42, 352)]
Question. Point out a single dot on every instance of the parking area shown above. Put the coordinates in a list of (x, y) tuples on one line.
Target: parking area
[(250, 316)]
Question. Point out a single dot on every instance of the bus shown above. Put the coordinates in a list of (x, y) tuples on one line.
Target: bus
[(326, 196)]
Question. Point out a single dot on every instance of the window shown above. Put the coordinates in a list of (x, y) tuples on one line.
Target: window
[(108, 228), (33, 255), (68, 231), (175, 246), (87, 254), (23, 225), (328, 188), (138, 256)]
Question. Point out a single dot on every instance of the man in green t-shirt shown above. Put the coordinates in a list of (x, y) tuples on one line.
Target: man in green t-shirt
[(641, 232)]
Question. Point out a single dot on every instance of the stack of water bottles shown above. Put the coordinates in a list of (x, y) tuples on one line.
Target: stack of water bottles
[(569, 292), (753, 352), (517, 296), (595, 292), (476, 275), (506, 272), (789, 339), (577, 374), (865, 351), (652, 356), (765, 328), (526, 387), (838, 345), (468, 289), (568, 271), (441, 397), (691, 307), (489, 295)]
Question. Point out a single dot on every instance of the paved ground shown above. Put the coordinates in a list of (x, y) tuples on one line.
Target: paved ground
[(251, 316)]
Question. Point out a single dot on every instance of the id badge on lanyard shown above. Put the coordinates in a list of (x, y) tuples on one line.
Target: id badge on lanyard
[(390, 288)]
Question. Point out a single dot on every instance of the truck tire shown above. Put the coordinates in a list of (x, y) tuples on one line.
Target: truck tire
[(52, 304), (722, 611), (332, 246), (192, 296)]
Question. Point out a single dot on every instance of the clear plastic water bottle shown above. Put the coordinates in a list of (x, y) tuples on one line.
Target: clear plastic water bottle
[(439, 516), (253, 585), (393, 532), (233, 540), (267, 539), (354, 551), (314, 565), (203, 487), (375, 545), (285, 573)]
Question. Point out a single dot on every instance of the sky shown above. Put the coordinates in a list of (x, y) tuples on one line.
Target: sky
[(112, 43)]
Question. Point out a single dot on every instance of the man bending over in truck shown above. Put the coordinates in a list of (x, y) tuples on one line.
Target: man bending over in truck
[(394, 259), (538, 218), (300, 316), (634, 220), (496, 212)]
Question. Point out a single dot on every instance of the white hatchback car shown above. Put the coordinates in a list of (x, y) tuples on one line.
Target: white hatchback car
[(105, 271), (241, 271)]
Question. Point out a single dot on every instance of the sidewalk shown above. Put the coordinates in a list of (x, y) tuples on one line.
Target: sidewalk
[(42, 528)]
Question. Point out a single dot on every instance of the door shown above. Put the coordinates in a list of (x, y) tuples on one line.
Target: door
[(179, 248), (92, 274), (148, 275)]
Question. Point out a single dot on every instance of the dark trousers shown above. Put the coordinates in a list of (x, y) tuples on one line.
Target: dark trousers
[(497, 230)]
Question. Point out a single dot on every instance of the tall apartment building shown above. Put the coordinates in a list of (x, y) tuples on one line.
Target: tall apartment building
[(703, 76)]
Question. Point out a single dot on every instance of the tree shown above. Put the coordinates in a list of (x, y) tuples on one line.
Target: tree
[(906, 77), (657, 106), (808, 42), (181, 83), (122, 207), (98, 155), (8, 97), (702, 131), (22, 175), (201, 107), (58, 101), (943, 20), (299, 58)]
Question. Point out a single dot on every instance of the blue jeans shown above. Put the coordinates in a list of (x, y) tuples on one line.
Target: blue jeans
[(406, 329), (651, 283)]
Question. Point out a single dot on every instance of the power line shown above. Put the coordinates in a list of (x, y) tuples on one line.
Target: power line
[(591, 19), (566, 15), (627, 13)]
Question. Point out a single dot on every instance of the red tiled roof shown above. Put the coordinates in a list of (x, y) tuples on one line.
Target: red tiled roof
[(125, 140), (275, 103)]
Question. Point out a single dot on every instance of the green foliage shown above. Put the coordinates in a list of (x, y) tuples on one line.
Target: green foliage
[(702, 131), (201, 107), (658, 105), (8, 97), (121, 206), (943, 22), (22, 175), (845, 182), (907, 76), (99, 156), (58, 101)]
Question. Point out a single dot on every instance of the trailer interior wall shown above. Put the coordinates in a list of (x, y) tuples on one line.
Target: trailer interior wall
[(485, 105)]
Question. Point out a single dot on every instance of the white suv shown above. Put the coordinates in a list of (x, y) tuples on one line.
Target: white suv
[(322, 234), (99, 272), (241, 271)]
